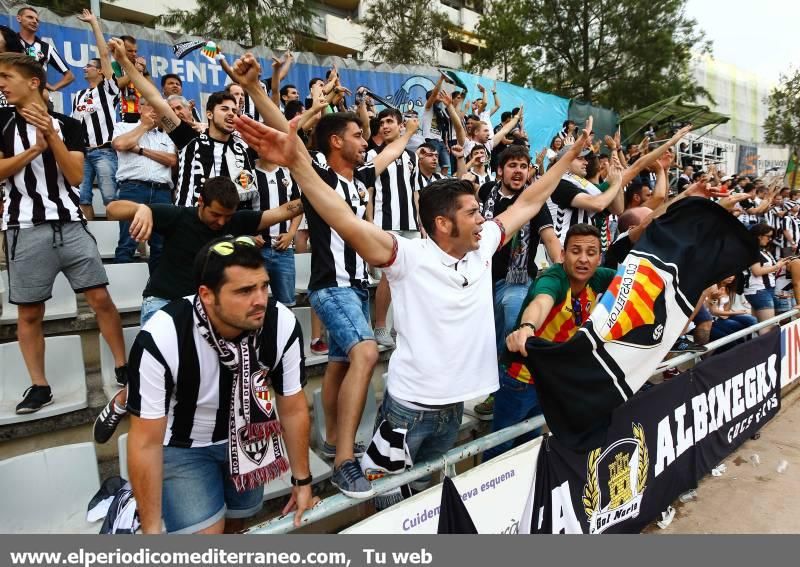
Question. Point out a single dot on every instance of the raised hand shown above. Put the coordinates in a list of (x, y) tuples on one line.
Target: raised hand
[(481, 88), (610, 143), (282, 148), (412, 124), (36, 115), (457, 150), (246, 70), (86, 16), (117, 49)]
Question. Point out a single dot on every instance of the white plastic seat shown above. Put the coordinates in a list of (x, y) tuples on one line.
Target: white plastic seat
[(126, 283), (122, 450), (107, 365), (62, 305), (97, 203), (64, 371), (107, 235), (365, 427), (302, 272), (48, 491), (303, 315)]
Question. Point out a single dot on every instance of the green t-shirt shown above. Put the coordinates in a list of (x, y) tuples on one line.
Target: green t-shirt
[(184, 235)]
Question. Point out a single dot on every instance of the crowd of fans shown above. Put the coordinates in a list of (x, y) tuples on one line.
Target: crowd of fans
[(445, 206)]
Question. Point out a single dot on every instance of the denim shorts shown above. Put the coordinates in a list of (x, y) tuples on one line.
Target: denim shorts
[(198, 491), (784, 304), (345, 313), (280, 267), (762, 299), (150, 305), (100, 163)]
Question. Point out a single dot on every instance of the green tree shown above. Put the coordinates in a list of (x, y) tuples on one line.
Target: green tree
[(277, 24), (407, 32), (621, 54), (782, 125)]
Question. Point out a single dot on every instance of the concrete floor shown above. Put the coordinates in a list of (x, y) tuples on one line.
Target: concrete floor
[(751, 498)]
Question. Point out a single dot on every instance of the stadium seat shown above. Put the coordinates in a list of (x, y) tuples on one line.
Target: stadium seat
[(122, 449), (541, 259), (48, 491), (107, 235), (97, 203), (110, 386), (365, 428), (126, 283), (302, 272), (62, 305), (65, 373), (303, 315)]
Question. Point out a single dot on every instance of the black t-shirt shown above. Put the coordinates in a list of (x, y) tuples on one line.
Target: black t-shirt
[(184, 235), (617, 252), (502, 258)]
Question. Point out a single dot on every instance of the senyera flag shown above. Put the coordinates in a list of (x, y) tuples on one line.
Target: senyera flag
[(579, 382)]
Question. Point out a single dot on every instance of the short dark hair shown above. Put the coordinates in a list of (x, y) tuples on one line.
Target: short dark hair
[(285, 89), (128, 39), (333, 124), (581, 229), (314, 80), (393, 112), (439, 199), (635, 188), (209, 268), (477, 148), (761, 229), (505, 116), (25, 9), (222, 190), (170, 76), (218, 98), (11, 39), (27, 66), (292, 109), (428, 146), (513, 152), (374, 125)]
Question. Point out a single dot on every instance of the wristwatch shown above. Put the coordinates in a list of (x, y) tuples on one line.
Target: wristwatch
[(302, 481), (527, 324)]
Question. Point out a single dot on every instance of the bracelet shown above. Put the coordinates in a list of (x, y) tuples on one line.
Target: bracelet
[(302, 481), (141, 151), (527, 324)]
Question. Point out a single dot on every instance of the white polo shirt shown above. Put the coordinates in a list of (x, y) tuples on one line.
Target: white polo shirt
[(443, 314)]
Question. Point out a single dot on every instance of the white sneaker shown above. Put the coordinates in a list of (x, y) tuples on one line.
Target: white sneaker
[(384, 337)]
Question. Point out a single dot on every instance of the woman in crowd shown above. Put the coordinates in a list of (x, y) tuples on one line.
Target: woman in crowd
[(728, 317), (760, 285)]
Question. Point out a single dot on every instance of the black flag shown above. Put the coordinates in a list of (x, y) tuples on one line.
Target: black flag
[(454, 517), (645, 309)]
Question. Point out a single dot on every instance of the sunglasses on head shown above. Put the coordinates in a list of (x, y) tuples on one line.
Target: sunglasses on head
[(227, 247)]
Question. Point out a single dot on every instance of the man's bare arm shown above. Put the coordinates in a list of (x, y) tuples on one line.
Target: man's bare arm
[(146, 469)]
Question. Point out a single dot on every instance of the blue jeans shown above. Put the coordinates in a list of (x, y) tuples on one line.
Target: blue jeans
[(345, 313), (429, 433), (508, 300), (101, 162), (198, 490), (280, 267), (514, 402), (150, 305), (145, 195)]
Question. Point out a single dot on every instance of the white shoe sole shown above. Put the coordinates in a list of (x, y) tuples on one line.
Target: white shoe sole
[(25, 411), (355, 495)]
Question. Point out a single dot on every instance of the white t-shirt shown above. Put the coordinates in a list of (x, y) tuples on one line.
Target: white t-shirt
[(430, 128), (446, 351)]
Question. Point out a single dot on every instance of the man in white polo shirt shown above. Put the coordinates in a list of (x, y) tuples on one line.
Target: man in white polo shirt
[(446, 351)]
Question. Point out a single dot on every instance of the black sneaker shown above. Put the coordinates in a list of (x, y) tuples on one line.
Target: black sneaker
[(685, 345), (34, 399), (106, 423), (121, 374)]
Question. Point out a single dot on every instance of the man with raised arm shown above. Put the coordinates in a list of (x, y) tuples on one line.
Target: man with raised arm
[(446, 351)]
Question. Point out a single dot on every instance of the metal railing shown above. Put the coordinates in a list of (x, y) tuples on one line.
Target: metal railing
[(339, 502)]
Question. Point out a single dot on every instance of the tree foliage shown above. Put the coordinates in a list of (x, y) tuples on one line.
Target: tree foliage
[(782, 125), (621, 54), (407, 32), (277, 24)]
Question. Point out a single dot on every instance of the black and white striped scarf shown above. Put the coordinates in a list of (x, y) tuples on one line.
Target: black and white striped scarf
[(256, 453)]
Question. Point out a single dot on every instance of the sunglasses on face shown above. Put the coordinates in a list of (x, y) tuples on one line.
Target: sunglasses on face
[(226, 248)]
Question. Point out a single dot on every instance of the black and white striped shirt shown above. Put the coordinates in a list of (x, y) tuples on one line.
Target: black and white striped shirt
[(560, 204), (249, 107), (333, 262), (791, 224), (480, 180), (767, 281), (275, 188), (774, 220), (423, 181), (394, 207), (45, 54), (95, 108), (204, 157), (173, 372), (39, 192)]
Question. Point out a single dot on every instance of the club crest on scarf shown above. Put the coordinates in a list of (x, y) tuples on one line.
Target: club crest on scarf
[(615, 481), (261, 390), (634, 304)]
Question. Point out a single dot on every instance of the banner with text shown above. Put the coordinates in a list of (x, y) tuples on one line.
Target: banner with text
[(659, 444), (492, 493)]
